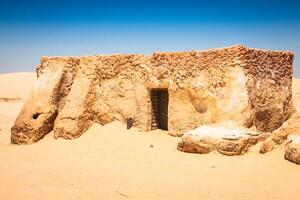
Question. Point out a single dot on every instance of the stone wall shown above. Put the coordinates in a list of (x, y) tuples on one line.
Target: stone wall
[(246, 86), (269, 83)]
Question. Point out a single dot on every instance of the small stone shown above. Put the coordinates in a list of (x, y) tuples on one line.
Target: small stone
[(266, 146), (292, 151)]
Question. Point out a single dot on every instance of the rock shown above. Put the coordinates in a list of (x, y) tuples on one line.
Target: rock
[(279, 136), (292, 151), (197, 145), (266, 146), (226, 140), (233, 147), (176, 133)]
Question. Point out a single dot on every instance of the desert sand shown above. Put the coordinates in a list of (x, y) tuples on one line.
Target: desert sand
[(110, 162)]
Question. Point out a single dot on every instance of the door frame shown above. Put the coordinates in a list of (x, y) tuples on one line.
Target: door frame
[(156, 116)]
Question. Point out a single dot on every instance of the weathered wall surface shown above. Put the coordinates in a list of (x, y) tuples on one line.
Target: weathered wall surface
[(121, 90), (46, 100), (269, 83), (229, 84), (76, 115), (205, 86)]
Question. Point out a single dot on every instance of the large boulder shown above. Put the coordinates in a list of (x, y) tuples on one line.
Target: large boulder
[(226, 138), (292, 151)]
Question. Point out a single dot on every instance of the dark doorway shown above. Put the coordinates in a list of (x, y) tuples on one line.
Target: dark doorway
[(160, 102)]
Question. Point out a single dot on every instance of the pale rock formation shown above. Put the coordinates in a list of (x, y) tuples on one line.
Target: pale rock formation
[(292, 151), (280, 135), (248, 86), (227, 138)]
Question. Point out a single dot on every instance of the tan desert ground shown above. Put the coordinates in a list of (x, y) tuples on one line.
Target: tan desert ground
[(111, 162)]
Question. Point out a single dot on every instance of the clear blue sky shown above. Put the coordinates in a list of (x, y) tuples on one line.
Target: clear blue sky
[(31, 29)]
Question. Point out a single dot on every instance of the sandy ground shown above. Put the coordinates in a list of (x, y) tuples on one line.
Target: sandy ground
[(110, 162)]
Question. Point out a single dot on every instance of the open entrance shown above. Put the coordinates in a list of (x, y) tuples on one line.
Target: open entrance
[(160, 102)]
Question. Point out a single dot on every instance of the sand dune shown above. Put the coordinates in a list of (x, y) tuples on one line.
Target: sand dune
[(110, 162), (15, 85)]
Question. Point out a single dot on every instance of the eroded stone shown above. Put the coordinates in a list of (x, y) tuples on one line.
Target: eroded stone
[(226, 138)]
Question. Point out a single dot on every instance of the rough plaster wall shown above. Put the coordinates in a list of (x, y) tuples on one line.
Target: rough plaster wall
[(219, 101), (120, 99), (77, 114), (69, 66), (121, 92), (229, 84), (269, 84), (204, 87)]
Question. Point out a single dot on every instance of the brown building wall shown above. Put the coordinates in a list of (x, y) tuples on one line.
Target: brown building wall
[(269, 84), (234, 84)]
